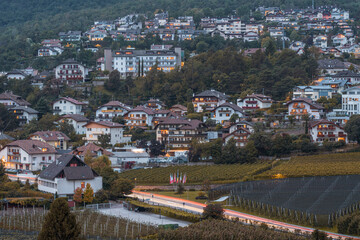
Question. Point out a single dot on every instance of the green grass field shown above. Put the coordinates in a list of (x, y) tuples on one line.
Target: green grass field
[(197, 174), (316, 165)]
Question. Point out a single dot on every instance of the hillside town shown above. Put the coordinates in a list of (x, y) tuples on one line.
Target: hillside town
[(102, 117)]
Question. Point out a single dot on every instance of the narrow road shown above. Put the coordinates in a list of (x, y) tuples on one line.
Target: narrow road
[(197, 208)]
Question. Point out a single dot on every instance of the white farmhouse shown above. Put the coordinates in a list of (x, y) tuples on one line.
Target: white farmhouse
[(324, 130), (27, 154), (11, 100), (96, 129), (110, 110), (254, 102), (300, 107), (66, 174), (67, 105), (224, 112)]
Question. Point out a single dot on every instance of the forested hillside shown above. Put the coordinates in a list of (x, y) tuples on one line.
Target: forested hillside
[(26, 22)]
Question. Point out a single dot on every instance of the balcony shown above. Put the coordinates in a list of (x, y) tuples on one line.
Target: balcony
[(13, 153), (16, 160), (257, 107), (320, 135), (251, 102), (342, 135), (135, 118), (331, 135)]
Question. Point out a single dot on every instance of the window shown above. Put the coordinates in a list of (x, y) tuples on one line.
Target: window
[(43, 158), (49, 158)]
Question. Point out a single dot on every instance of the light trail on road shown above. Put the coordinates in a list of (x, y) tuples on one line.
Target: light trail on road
[(196, 207)]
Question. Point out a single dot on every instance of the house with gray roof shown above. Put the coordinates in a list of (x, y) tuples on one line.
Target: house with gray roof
[(208, 100), (66, 174), (24, 114), (223, 113)]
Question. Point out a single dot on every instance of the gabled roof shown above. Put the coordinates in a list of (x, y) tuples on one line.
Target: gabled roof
[(116, 104), (239, 129), (212, 93), (33, 146), (74, 101), (106, 124), (76, 117), (351, 89), (306, 100), (25, 109), (185, 124), (331, 64), (259, 97), (61, 167), (230, 105), (181, 107), (140, 108), (16, 71), (322, 121), (346, 74), (91, 149), (7, 95), (51, 135)]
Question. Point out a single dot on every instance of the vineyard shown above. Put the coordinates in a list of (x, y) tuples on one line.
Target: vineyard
[(92, 224), (316, 165), (308, 200), (198, 174)]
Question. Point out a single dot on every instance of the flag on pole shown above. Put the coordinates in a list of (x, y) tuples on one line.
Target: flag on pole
[(180, 177), (171, 180), (184, 179)]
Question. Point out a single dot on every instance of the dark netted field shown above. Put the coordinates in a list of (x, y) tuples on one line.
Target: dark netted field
[(315, 195)]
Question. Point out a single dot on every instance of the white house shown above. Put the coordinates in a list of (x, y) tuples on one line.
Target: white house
[(295, 46), (239, 134), (324, 130), (71, 72), (66, 174), (139, 117), (30, 155), (67, 105), (49, 51), (24, 114), (77, 121), (16, 74), (9, 99), (91, 150), (56, 139), (320, 41), (304, 106), (251, 36), (110, 110), (339, 40), (96, 129), (224, 112), (254, 102), (129, 154)]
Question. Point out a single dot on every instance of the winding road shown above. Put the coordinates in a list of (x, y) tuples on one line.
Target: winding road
[(197, 208)]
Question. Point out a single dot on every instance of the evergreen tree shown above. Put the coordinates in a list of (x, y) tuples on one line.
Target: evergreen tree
[(88, 194), (60, 223)]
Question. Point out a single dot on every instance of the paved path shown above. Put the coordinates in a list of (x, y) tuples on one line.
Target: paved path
[(195, 207)]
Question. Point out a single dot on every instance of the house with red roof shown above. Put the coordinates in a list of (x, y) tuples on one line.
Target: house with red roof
[(30, 155), (91, 150), (241, 136), (324, 130), (68, 105), (56, 139)]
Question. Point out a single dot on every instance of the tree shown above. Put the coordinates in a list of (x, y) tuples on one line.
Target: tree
[(100, 162), (8, 120), (318, 235), (214, 211), (113, 84), (156, 148), (352, 128), (88, 194), (78, 195), (230, 153), (234, 117), (190, 108), (104, 140), (109, 176), (3, 176), (60, 223), (180, 189), (121, 187)]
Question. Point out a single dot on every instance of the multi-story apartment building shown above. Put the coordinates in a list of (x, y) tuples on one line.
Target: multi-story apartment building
[(27, 154), (77, 121), (300, 107), (114, 130), (56, 139), (139, 117), (351, 101), (208, 100), (110, 110), (254, 101), (67, 105), (178, 133), (131, 62), (324, 130), (224, 112), (71, 72)]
